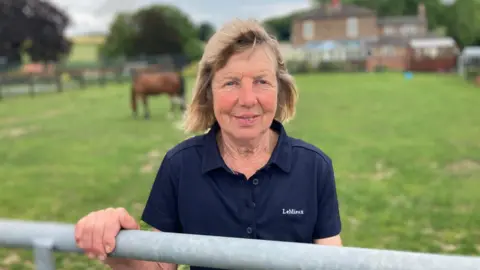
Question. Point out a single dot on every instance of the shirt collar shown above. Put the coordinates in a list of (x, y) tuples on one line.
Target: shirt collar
[(281, 155)]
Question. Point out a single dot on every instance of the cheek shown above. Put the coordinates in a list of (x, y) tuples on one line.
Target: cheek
[(224, 102), (268, 101)]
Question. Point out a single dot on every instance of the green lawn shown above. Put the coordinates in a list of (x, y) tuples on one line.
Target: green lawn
[(406, 154), (83, 53)]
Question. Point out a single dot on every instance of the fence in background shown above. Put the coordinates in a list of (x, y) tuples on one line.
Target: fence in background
[(223, 252), (80, 75)]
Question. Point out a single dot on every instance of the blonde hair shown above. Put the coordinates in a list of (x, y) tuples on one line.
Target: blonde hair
[(234, 37)]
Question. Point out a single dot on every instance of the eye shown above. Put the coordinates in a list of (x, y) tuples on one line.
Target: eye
[(230, 83), (262, 81)]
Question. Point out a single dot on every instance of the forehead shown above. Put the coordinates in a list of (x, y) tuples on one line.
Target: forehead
[(255, 59)]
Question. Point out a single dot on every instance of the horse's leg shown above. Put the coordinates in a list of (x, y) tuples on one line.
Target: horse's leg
[(171, 112), (183, 106), (145, 106), (133, 102)]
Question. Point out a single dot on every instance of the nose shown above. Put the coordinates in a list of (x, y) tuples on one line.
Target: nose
[(247, 95)]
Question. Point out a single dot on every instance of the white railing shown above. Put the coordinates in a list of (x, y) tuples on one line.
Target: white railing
[(223, 252)]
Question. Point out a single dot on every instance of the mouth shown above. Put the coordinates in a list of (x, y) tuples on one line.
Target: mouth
[(247, 117)]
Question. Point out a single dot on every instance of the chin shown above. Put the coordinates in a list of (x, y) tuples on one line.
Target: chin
[(246, 134)]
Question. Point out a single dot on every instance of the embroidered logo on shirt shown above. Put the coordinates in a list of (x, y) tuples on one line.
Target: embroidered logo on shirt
[(292, 212)]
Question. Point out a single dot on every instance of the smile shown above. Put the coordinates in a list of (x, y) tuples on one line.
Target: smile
[(249, 117), (246, 120)]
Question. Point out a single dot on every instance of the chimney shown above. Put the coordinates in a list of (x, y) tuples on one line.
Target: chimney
[(334, 5), (421, 13)]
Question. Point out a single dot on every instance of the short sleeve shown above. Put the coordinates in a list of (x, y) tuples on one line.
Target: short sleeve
[(328, 218), (161, 208)]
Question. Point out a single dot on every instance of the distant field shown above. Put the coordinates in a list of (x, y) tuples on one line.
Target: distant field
[(85, 49), (406, 156), (88, 39), (84, 53)]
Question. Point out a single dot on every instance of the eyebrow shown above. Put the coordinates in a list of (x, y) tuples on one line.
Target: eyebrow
[(231, 76)]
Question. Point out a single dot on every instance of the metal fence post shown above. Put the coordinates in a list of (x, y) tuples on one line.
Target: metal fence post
[(42, 251)]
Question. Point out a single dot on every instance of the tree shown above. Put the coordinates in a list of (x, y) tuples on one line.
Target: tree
[(281, 27), (205, 31), (120, 38), (38, 31), (150, 31), (464, 22)]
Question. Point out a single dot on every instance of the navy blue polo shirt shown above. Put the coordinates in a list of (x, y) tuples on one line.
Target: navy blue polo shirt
[(292, 198)]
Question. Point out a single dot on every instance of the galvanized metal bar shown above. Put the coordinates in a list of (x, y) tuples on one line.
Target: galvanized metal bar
[(234, 253), (43, 255)]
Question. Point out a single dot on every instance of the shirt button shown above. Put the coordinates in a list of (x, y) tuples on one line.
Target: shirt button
[(249, 230), (255, 181)]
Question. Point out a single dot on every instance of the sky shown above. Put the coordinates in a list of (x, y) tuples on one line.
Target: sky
[(96, 15)]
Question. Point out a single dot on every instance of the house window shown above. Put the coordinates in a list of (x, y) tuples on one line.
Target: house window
[(388, 51), (418, 53), (408, 29), (388, 30), (308, 30), (352, 27), (431, 52)]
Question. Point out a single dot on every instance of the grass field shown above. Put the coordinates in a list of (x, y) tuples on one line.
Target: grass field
[(83, 53), (84, 49), (406, 155)]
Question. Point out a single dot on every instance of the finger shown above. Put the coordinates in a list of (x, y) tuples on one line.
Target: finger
[(87, 228), (78, 231), (127, 221), (112, 227), (97, 237), (89, 236)]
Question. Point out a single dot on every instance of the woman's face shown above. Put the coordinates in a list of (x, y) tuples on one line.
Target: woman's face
[(245, 93)]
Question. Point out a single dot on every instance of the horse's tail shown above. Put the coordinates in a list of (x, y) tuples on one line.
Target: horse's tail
[(133, 99)]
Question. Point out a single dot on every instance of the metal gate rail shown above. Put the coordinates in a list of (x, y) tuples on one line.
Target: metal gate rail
[(223, 252)]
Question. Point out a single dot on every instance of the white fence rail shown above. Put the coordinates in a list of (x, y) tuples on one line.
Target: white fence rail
[(223, 252)]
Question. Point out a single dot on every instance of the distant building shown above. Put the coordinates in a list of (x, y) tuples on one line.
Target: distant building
[(339, 32)]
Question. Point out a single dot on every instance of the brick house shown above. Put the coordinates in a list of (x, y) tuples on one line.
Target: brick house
[(338, 31)]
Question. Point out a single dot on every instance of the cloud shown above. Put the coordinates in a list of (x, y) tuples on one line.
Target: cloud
[(96, 15)]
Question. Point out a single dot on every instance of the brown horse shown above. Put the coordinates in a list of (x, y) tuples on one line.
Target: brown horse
[(154, 83)]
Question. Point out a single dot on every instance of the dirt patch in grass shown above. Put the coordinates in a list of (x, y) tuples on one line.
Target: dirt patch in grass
[(465, 166), (45, 115), (11, 258), (381, 172), (445, 247), (146, 168), (51, 113), (152, 161), (17, 131), (9, 120)]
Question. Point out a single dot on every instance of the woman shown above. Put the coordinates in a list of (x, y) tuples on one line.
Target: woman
[(244, 177)]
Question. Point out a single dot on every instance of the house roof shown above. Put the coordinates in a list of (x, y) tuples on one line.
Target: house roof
[(432, 42), (395, 20), (391, 40), (470, 52), (332, 44), (327, 12), (402, 40)]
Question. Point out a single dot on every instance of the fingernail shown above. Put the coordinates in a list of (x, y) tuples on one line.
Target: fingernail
[(108, 248), (101, 257)]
